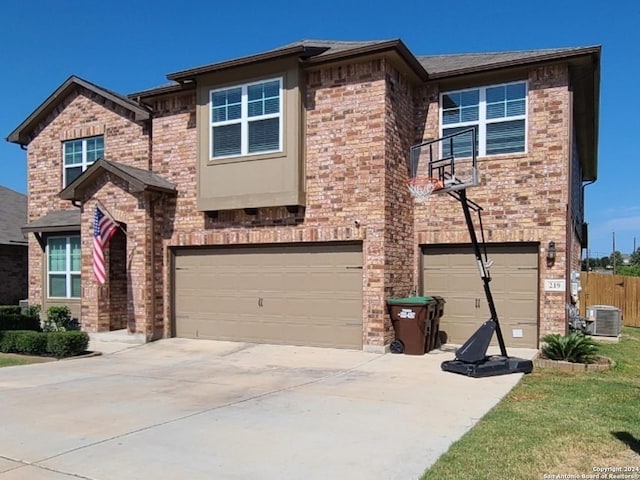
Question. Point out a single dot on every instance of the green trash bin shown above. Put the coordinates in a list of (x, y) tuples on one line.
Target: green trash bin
[(438, 311), (412, 320)]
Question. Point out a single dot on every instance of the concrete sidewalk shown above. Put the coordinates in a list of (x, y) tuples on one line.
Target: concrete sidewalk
[(188, 409)]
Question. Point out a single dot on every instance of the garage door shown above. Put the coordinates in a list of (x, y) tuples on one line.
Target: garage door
[(298, 295), (452, 273)]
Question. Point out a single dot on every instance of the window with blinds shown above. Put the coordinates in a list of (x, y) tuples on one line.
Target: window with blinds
[(498, 113), (246, 119), (64, 262)]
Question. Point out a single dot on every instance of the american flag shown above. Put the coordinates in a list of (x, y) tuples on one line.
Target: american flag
[(103, 229)]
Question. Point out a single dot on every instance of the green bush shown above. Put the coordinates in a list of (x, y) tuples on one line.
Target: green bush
[(56, 344), (33, 311), (10, 309), (67, 344), (8, 340), (575, 347), (31, 343), (59, 320), (17, 321)]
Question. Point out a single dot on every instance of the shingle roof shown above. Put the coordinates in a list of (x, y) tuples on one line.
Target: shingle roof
[(56, 221), (13, 215), (22, 133), (138, 179), (310, 50), (444, 65), (335, 46)]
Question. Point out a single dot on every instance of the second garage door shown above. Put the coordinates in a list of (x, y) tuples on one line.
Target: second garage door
[(452, 272), (299, 295)]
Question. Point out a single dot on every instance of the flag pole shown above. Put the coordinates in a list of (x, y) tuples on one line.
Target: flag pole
[(108, 214)]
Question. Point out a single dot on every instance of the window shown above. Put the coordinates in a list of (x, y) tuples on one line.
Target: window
[(63, 262), (498, 113), (79, 154), (246, 119)]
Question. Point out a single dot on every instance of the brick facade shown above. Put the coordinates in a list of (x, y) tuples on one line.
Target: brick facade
[(524, 196), (360, 122)]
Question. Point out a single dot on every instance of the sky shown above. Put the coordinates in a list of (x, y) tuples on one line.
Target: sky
[(130, 45)]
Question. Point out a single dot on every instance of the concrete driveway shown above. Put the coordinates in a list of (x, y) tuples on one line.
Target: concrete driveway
[(189, 409)]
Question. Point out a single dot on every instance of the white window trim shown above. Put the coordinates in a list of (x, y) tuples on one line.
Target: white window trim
[(67, 272), (482, 121), (85, 164), (245, 119)]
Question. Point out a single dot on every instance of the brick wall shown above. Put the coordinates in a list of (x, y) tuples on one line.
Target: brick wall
[(345, 168), (400, 252), (13, 272), (81, 114), (524, 196), (360, 122)]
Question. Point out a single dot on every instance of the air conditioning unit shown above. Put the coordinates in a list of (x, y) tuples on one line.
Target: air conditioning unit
[(604, 320)]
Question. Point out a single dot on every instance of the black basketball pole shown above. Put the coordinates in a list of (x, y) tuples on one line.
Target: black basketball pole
[(484, 273)]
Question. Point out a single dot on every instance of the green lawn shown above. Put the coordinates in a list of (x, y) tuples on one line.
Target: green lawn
[(557, 423), (10, 360)]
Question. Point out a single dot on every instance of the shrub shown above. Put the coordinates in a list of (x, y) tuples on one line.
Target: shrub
[(575, 347), (67, 344), (8, 340), (9, 309), (31, 343), (33, 311), (59, 320), (17, 321), (56, 344)]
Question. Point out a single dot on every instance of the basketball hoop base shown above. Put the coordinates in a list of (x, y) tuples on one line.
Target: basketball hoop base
[(489, 367)]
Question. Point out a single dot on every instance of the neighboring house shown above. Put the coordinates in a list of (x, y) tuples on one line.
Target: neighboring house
[(13, 247), (264, 198)]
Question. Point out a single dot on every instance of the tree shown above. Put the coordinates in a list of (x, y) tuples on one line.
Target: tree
[(629, 270), (635, 258), (604, 262), (616, 261)]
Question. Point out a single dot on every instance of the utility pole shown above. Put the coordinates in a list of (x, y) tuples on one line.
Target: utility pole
[(613, 255)]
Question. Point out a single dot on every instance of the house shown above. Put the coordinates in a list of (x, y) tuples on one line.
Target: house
[(264, 198), (13, 247)]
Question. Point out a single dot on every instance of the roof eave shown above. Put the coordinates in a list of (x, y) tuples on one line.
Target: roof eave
[(73, 192), (516, 63), (164, 90), (20, 134), (397, 45), (191, 73)]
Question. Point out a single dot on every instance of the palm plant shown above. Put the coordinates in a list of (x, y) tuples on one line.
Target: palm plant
[(574, 347)]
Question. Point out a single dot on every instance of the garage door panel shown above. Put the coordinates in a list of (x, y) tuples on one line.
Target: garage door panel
[(452, 272), (304, 295)]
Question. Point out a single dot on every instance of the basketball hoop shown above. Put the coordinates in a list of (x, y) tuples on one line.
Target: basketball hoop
[(422, 187)]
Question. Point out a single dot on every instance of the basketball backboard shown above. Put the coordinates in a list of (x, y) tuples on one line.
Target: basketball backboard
[(451, 161)]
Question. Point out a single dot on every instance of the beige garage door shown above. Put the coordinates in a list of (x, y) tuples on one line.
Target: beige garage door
[(452, 273), (298, 295)]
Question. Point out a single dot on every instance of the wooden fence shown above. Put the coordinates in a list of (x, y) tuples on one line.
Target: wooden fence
[(615, 290)]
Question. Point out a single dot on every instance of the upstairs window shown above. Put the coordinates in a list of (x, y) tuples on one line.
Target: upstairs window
[(498, 113), (79, 155), (246, 119), (63, 266)]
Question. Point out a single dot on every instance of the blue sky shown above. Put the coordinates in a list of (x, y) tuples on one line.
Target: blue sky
[(130, 45)]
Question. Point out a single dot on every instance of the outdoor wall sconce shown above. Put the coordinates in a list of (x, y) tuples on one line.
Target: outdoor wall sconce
[(551, 254)]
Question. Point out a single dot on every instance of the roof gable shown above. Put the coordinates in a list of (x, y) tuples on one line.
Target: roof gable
[(22, 134), (138, 179)]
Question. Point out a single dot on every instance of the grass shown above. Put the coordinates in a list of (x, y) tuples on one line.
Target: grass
[(11, 360), (557, 423)]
